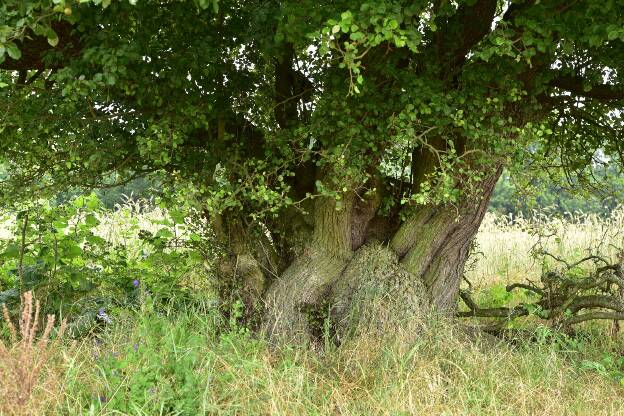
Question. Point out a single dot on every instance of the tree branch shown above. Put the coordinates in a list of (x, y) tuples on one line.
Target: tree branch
[(596, 301), (530, 288), (489, 312), (474, 22), (576, 86), (290, 87), (590, 316), (34, 48)]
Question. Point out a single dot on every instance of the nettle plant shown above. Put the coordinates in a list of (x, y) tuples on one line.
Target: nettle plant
[(341, 150), (81, 259)]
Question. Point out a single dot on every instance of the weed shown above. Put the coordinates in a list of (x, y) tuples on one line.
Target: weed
[(24, 358)]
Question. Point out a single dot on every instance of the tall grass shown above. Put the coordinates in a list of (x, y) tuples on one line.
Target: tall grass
[(26, 374), (505, 245), (155, 361), (179, 363)]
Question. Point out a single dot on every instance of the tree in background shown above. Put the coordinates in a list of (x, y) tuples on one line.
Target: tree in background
[(112, 196), (557, 196), (345, 152)]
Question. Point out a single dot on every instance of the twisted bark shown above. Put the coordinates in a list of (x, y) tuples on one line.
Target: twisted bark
[(356, 282)]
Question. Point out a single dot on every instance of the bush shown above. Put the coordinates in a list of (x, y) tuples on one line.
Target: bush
[(81, 258)]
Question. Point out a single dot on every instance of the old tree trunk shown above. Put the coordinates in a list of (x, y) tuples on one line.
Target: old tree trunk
[(348, 267)]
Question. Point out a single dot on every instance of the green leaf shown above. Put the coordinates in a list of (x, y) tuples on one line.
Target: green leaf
[(53, 39), (12, 251), (164, 233), (71, 250), (13, 51), (91, 221), (614, 34)]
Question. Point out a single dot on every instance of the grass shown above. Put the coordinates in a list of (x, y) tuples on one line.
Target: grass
[(177, 362), (25, 371), (170, 361), (504, 245)]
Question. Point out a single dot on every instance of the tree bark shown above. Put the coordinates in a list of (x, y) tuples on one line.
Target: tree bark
[(294, 298), (346, 281)]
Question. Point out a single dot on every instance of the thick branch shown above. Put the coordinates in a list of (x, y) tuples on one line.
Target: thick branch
[(470, 24), (530, 288), (290, 87), (489, 312), (590, 316), (596, 301), (476, 22)]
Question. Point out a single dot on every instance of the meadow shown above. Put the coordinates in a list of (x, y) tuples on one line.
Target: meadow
[(170, 356)]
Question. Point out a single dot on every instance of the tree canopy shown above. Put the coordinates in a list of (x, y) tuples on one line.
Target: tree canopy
[(256, 89)]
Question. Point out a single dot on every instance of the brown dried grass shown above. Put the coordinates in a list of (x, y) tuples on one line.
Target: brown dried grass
[(27, 376)]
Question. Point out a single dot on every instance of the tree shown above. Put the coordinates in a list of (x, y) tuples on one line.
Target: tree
[(344, 151), (558, 196)]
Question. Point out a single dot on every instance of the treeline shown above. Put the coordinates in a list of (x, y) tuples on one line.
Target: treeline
[(559, 196)]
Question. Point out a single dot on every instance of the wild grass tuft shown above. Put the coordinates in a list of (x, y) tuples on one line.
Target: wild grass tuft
[(25, 378)]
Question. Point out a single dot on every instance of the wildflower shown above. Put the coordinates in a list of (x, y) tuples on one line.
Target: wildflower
[(135, 283), (102, 316), (135, 347)]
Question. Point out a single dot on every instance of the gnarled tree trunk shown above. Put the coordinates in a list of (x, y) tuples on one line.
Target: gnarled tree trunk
[(353, 275)]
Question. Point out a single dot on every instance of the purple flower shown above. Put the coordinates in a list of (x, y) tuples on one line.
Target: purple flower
[(136, 347), (135, 283), (102, 399), (102, 316)]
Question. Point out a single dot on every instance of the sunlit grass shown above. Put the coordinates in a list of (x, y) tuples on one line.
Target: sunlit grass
[(504, 251), (151, 363)]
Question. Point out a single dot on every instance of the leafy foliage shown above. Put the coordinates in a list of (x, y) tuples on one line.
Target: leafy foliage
[(81, 261), (241, 95), (548, 195)]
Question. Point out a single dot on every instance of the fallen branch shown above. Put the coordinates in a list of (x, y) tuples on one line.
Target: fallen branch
[(563, 299)]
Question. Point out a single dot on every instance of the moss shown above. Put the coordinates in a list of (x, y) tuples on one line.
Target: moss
[(374, 293)]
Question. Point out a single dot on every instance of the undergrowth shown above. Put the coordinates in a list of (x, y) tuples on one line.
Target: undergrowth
[(159, 361), (176, 355)]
